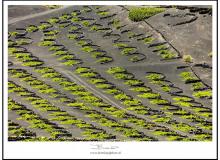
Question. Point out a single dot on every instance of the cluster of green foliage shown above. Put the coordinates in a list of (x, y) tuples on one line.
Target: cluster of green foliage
[(202, 94), (167, 54), (44, 26), (85, 23), (148, 40), (31, 28), (155, 76), (103, 13), (104, 59), (116, 23), (188, 77), (46, 43), (149, 95), (128, 50), (114, 70), (53, 6), (187, 58), (140, 13), (16, 132), (53, 20), (121, 45)]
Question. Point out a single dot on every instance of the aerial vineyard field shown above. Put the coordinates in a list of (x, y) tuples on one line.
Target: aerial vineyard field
[(107, 73)]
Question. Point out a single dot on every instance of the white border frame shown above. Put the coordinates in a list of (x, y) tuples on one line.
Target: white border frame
[(79, 150)]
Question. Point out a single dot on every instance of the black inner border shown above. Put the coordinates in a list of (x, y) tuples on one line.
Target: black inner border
[(101, 0)]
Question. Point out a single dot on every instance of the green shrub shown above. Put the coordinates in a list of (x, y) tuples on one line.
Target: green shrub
[(13, 33), (187, 58), (44, 70), (181, 98), (162, 119), (118, 113), (89, 75), (103, 13), (159, 101), (120, 45), (65, 17), (188, 77), (82, 42), (72, 87), (114, 70), (23, 56), (182, 127), (52, 32), (128, 132), (74, 13), (73, 28), (85, 23), (94, 28), (123, 76), (83, 125), (143, 112), (50, 75), (60, 53), (96, 136), (53, 6), (75, 104), (161, 47), (155, 76), (66, 57), (32, 63), (23, 41), (148, 40), (140, 89), (83, 70), (86, 9), (162, 133), (47, 38), (31, 28), (198, 85), (122, 96), (168, 55), (104, 60), (149, 95), (46, 43), (128, 50), (94, 115), (55, 48), (184, 104), (75, 19), (98, 54), (135, 59), (44, 26), (140, 13), (136, 108), (132, 102), (87, 49), (90, 99), (116, 23), (53, 20), (71, 62), (133, 82), (72, 36), (113, 91), (166, 88), (104, 86), (203, 94)]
